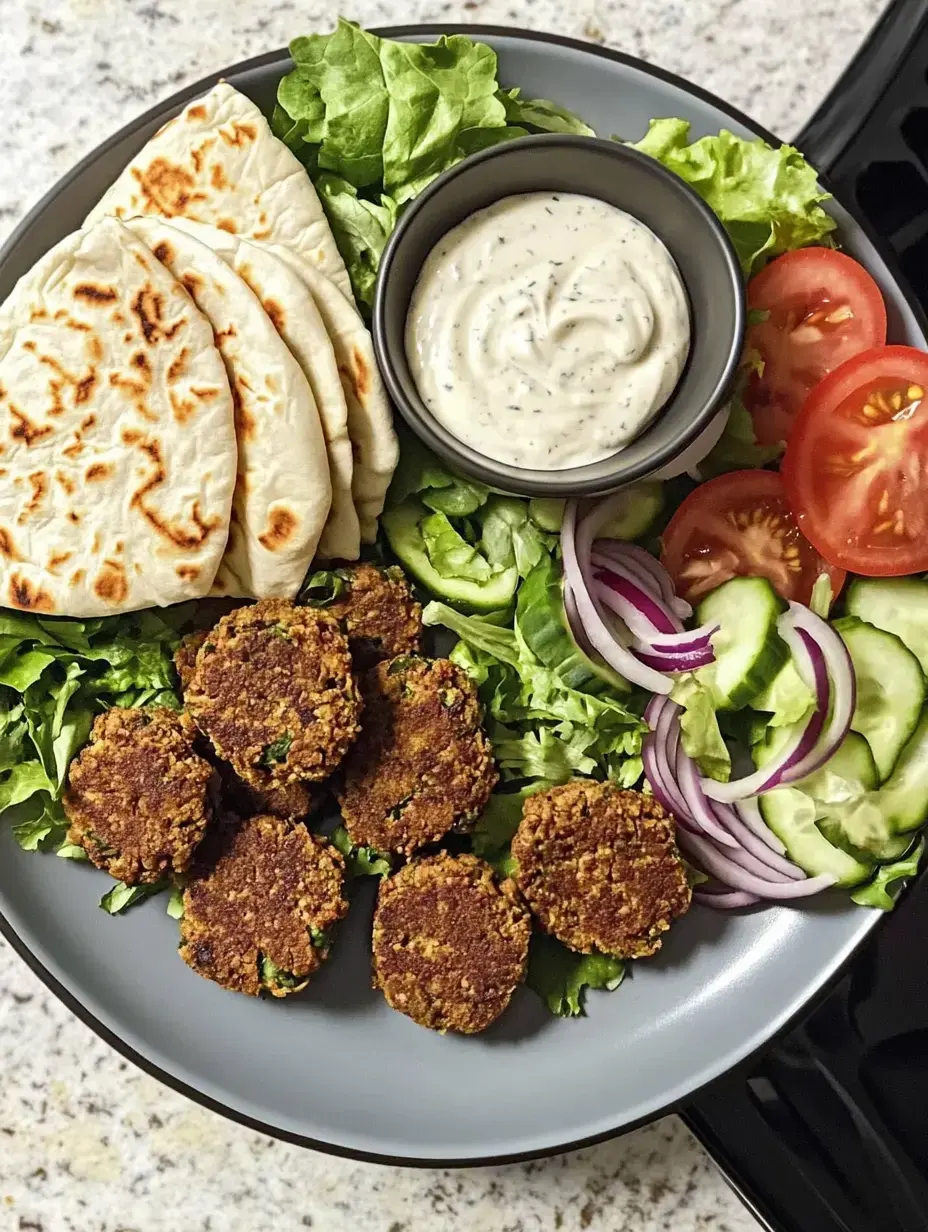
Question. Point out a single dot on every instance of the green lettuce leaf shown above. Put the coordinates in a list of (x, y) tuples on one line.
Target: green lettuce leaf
[(787, 699), (560, 977), (877, 893), (361, 861), (361, 228), (737, 448), (699, 726), (449, 552), (375, 121), (175, 906), (121, 897), (541, 114), (541, 628), (823, 596), (420, 473), (538, 754), (480, 632), (508, 536), (56, 675), (768, 199), (492, 836)]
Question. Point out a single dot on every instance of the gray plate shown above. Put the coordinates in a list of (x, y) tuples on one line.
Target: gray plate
[(334, 1068)]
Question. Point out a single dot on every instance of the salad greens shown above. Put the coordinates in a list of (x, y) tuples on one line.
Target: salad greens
[(56, 675), (559, 976), (374, 121), (768, 198)]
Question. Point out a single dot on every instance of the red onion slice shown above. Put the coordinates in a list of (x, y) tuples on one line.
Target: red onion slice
[(627, 601), (798, 749), (732, 874), (752, 843), (696, 802), (608, 552), (816, 634), (726, 900), (677, 662), (750, 814), (634, 552), (575, 550), (691, 639)]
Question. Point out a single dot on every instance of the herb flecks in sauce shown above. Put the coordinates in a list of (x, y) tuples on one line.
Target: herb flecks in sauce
[(547, 330)]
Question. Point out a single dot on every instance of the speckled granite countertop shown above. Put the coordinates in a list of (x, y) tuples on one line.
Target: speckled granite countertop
[(88, 1143)]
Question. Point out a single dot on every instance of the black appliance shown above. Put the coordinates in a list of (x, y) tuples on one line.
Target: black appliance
[(828, 1132)]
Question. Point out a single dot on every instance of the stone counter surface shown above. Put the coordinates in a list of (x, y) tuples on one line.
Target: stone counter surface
[(87, 1142)]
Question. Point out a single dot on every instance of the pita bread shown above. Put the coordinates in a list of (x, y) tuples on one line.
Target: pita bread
[(117, 441), (283, 494), (288, 302), (370, 418), (218, 162)]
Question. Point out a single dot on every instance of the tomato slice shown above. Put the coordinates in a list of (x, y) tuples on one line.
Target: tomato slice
[(740, 525), (822, 308), (856, 467)]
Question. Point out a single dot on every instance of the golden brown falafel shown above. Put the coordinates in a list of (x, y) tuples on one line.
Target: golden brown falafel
[(273, 692), (378, 613), (256, 910), (138, 796), (422, 764), (599, 868), (185, 656), (450, 943)]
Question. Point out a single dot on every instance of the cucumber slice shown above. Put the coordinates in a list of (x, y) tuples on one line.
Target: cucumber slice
[(890, 689), (898, 605), (402, 529), (852, 763), (790, 814), (640, 506), (748, 650), (838, 790), (903, 798)]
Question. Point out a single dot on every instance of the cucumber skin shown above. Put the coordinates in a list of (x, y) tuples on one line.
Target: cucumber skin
[(906, 805), (856, 635), (805, 844), (401, 527), (774, 654), (890, 604)]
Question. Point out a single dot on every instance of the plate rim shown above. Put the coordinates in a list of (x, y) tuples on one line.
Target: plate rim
[(21, 948)]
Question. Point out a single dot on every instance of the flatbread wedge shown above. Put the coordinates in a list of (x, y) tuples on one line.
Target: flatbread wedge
[(292, 309), (218, 162), (117, 441), (283, 493), (370, 417)]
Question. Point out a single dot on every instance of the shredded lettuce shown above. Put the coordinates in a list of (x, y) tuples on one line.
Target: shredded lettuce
[(787, 699), (699, 726), (374, 121), (492, 835), (768, 198), (541, 727), (560, 977), (361, 861)]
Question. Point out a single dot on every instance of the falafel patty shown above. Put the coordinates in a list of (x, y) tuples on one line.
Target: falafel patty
[(378, 613), (422, 764), (450, 943), (599, 867), (185, 656), (273, 691), (255, 919), (138, 796)]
